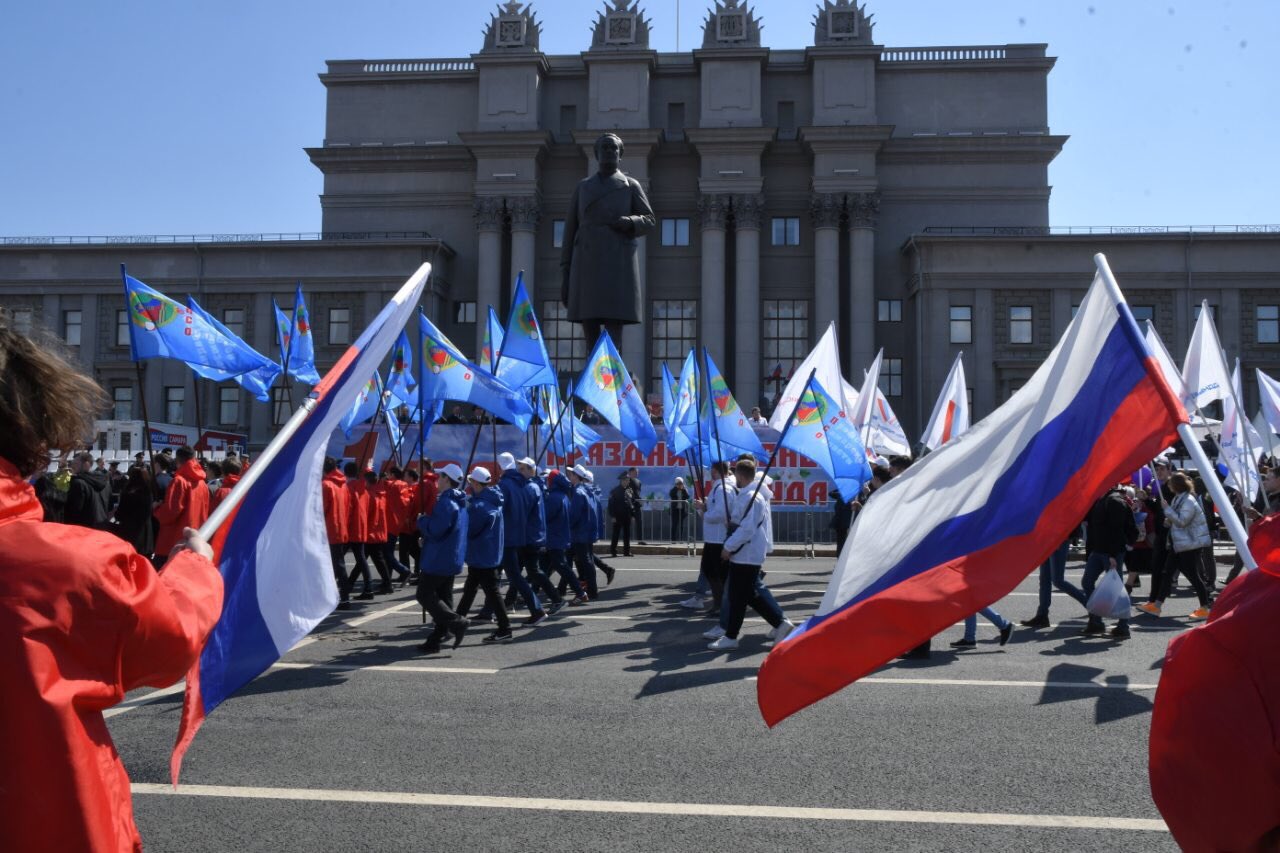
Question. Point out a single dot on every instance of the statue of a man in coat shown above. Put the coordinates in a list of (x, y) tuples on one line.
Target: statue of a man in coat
[(598, 261)]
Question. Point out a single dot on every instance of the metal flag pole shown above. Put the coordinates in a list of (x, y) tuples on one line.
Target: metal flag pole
[(373, 430), (286, 348), (497, 357), (777, 445), (1242, 425), (195, 391), (715, 425), (142, 391)]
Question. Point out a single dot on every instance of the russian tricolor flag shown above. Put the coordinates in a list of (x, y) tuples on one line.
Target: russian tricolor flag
[(964, 525), (272, 549)]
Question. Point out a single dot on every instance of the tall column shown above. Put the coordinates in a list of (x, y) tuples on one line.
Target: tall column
[(825, 210), (864, 211), (747, 213), (488, 214), (712, 209), (524, 238)]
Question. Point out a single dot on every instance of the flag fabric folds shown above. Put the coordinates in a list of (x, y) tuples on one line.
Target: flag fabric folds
[(825, 358), (888, 438), (273, 551), (364, 407), (951, 413), (1240, 445), (960, 528), (1269, 396), (493, 336), (669, 391), (448, 375), (822, 431), (522, 356), (606, 386), (730, 428), (257, 382), (1205, 374), (160, 327), (1169, 367), (400, 381), (683, 432), (302, 350), (563, 434)]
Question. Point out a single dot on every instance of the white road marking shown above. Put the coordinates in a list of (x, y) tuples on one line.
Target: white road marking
[(974, 682), (650, 808), (139, 701), (390, 667)]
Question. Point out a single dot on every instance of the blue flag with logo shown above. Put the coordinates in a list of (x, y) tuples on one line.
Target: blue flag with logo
[(820, 430), (563, 434), (492, 340), (364, 407), (606, 385), (684, 421), (160, 327), (448, 375), (302, 352), (730, 427), (400, 381), (257, 382), (522, 356), (668, 400)]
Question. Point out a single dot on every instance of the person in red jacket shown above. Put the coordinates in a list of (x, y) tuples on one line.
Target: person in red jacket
[(1214, 763), (83, 620), (333, 491), (375, 541), (230, 476), (185, 504), (357, 529), (398, 497)]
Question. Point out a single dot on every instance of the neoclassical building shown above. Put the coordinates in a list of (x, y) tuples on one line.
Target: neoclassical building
[(901, 193)]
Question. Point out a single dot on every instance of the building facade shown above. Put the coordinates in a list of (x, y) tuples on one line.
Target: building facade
[(887, 190)]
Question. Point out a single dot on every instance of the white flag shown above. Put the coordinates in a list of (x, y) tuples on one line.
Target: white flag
[(888, 438), (1240, 444), (861, 408), (951, 412), (825, 359), (1205, 374), (1269, 441), (1269, 395), (1168, 366)]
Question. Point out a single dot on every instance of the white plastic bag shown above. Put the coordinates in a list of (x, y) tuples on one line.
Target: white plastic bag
[(1110, 599)]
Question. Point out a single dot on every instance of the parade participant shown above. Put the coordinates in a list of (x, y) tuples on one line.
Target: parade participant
[(375, 540), (621, 503), (230, 476), (484, 551), (162, 472), (536, 535), (409, 538), (213, 477), (444, 550), (1109, 529), (117, 479), (1053, 575), (1188, 533), (559, 495), (597, 498), (715, 527), (185, 504), (1213, 765), (1271, 487), (583, 529), (398, 498), (516, 509), (637, 504), (970, 638), (357, 530), (1137, 560), (841, 518), (83, 620), (133, 520), (743, 554), (88, 495), (333, 493)]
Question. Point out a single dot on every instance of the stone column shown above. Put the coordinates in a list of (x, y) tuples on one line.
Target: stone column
[(488, 214), (712, 210), (864, 211), (747, 213), (524, 239), (825, 210)]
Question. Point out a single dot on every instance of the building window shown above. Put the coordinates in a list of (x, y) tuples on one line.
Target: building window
[(22, 321), (786, 338), (229, 404), (464, 313), (1143, 312), (889, 310), (675, 232), (568, 121), (1020, 324), (675, 122), (233, 319), (71, 327), (174, 398), (786, 119), (786, 231), (339, 326), (122, 328), (557, 233), (281, 408), (674, 331), (122, 402), (891, 377), (961, 324), (1269, 324), (565, 345)]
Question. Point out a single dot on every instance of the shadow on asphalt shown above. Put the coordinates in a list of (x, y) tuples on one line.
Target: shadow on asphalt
[(1111, 705)]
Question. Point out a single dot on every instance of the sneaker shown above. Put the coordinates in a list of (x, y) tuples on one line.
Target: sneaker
[(1036, 622), (1120, 632), (365, 596), (344, 605), (536, 618), (1005, 633), (784, 629), (964, 643), (713, 633), (694, 602), (609, 572), (430, 647), (1093, 626), (499, 637), (579, 600), (1199, 613), (724, 644), (556, 607), (1150, 608), (458, 630)]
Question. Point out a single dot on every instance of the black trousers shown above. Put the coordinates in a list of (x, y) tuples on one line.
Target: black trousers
[(743, 592), (678, 533), (338, 553), (362, 566), (411, 550), (435, 594), (715, 570), (375, 553), (585, 562), (1208, 567), (487, 581), (1187, 562), (621, 527)]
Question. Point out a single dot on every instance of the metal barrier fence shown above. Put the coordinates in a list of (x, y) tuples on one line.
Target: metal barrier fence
[(666, 522)]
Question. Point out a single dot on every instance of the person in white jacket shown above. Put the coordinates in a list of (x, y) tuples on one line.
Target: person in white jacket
[(745, 548), (715, 527)]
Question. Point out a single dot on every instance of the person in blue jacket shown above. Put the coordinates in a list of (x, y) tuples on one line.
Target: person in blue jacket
[(559, 494), (536, 535), (444, 548), (516, 508), (584, 528), (598, 497), (484, 551)]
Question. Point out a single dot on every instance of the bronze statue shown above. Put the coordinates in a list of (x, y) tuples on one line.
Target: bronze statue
[(598, 262)]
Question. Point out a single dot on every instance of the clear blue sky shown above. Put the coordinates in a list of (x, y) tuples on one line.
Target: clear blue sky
[(137, 117)]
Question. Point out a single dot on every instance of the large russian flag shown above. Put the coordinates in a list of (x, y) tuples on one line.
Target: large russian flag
[(965, 524), (273, 551)]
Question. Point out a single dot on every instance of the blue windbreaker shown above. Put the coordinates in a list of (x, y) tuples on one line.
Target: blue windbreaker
[(558, 496), (516, 501), (444, 535), (484, 529)]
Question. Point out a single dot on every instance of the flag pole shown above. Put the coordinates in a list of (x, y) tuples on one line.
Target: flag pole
[(715, 425), (1243, 424), (195, 390), (142, 391), (777, 445), (285, 348), (497, 357)]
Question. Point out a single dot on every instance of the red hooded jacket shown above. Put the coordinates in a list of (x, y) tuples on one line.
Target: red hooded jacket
[(357, 511), (1215, 730), (333, 489), (228, 483), (83, 620), (399, 497), (186, 504), (376, 532)]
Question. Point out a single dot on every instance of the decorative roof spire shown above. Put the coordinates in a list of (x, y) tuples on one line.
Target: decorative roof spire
[(841, 22), (621, 26), (731, 24), (513, 27)]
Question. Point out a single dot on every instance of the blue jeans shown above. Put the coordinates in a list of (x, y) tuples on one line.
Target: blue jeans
[(971, 624), (1053, 573), (1095, 566), (389, 554), (703, 588)]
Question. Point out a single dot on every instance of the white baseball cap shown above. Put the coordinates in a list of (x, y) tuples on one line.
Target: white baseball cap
[(527, 462), (453, 472), (581, 471), (481, 475), (507, 461)]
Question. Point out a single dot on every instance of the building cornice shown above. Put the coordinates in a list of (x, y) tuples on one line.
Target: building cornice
[(952, 150), (333, 159)]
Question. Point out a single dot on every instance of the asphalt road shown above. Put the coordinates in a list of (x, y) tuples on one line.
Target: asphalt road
[(614, 728)]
